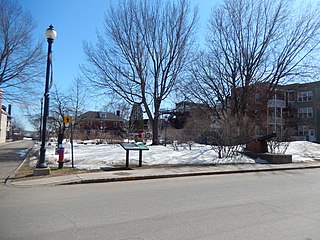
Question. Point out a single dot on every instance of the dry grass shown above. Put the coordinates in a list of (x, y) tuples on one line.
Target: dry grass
[(26, 172)]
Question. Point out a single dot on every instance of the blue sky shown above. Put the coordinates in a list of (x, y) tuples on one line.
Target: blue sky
[(76, 21)]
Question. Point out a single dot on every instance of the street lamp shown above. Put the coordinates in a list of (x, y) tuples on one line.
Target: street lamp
[(40, 131), (50, 35)]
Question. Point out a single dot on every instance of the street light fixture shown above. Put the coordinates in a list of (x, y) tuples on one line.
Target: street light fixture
[(50, 35)]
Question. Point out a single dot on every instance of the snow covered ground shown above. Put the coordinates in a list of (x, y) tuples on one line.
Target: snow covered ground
[(92, 156)]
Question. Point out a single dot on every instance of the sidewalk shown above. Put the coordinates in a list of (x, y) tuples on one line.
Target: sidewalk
[(154, 173)]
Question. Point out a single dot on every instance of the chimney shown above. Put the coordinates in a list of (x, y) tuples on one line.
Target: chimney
[(0, 97), (9, 109), (118, 113)]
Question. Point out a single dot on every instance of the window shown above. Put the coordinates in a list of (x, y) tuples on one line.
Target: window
[(290, 96), (279, 95), (312, 132), (306, 112), (115, 124), (302, 131), (305, 96), (257, 97), (257, 130)]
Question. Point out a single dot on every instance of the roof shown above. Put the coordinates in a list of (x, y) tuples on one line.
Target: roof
[(102, 116)]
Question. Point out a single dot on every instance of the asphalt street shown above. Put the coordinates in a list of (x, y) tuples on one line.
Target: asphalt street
[(262, 205), (11, 155)]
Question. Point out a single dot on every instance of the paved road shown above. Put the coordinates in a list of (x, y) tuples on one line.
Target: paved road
[(271, 205), (11, 155)]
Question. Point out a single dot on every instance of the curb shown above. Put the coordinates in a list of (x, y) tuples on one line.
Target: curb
[(162, 176)]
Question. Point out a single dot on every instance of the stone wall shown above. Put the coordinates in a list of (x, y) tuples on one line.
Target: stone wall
[(270, 157)]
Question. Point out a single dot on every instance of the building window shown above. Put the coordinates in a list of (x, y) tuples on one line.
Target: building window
[(305, 96), (306, 112), (312, 132), (279, 95), (257, 97), (257, 130), (303, 131), (115, 124), (290, 96)]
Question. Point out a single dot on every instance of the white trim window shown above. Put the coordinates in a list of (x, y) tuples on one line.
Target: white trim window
[(303, 130), (305, 96), (306, 112)]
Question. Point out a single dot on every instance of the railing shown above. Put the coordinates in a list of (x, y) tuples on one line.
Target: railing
[(277, 103), (276, 120)]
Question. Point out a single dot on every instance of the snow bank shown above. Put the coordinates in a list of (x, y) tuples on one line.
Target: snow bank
[(92, 156)]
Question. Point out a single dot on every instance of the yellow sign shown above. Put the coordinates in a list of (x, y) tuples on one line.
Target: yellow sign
[(67, 120)]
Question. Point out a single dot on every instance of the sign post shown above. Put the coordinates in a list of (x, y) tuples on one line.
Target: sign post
[(68, 121), (134, 147)]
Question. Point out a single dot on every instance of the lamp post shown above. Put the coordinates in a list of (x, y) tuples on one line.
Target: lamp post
[(165, 131), (50, 35), (40, 131)]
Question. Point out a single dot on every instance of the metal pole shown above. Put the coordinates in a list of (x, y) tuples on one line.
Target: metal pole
[(41, 163), (140, 158), (40, 132), (71, 141), (165, 132), (127, 158)]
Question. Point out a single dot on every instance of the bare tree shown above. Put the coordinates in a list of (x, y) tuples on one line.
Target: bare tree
[(76, 98), (59, 110), (117, 105), (69, 103), (254, 41), (20, 54), (143, 52)]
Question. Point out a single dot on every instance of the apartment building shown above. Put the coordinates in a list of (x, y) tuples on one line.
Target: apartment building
[(292, 111)]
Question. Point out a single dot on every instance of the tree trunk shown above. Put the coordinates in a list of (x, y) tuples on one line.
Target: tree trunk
[(60, 138), (61, 135), (155, 132)]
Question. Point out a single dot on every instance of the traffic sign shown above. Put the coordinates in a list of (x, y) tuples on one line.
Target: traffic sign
[(67, 120)]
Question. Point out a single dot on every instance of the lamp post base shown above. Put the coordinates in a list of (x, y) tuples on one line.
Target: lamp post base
[(41, 165), (41, 171)]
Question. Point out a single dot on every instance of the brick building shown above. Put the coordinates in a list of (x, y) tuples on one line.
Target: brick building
[(101, 125), (290, 111)]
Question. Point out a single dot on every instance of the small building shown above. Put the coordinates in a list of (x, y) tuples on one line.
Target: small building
[(3, 121), (3, 126), (101, 125)]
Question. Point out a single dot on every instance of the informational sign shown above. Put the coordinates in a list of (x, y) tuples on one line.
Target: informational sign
[(134, 147), (67, 120)]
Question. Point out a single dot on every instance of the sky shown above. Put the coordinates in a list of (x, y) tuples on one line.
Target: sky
[(76, 21)]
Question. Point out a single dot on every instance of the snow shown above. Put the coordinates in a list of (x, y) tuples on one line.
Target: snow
[(303, 151), (92, 156)]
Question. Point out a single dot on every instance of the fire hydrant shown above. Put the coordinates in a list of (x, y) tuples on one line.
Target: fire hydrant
[(61, 157)]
